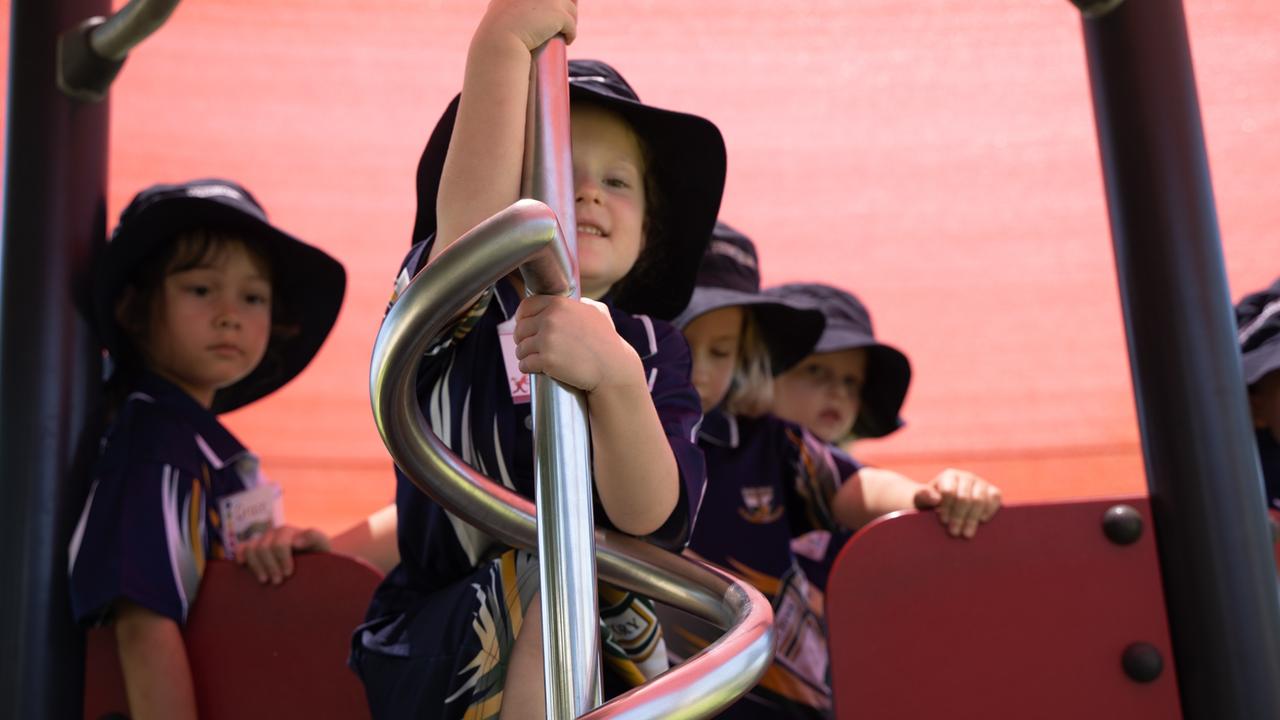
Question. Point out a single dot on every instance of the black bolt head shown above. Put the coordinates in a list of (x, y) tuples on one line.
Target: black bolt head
[(1142, 662), (1122, 524)]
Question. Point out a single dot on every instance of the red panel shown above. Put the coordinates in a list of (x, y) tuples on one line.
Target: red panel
[(258, 651), (1028, 620)]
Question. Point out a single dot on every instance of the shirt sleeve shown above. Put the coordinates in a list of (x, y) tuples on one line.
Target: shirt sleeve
[(817, 471), (668, 367), (142, 537)]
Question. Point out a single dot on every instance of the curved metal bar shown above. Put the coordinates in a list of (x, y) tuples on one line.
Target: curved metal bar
[(699, 687), (132, 24)]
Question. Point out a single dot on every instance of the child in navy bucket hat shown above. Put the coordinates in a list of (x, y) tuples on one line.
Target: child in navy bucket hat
[(453, 631), (769, 480), (1258, 332), (853, 386), (204, 306)]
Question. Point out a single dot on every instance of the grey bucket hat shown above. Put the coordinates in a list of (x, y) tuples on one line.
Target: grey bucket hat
[(849, 326)]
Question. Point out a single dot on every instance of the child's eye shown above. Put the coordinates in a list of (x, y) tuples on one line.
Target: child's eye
[(617, 182), (257, 298), (720, 354), (199, 290)]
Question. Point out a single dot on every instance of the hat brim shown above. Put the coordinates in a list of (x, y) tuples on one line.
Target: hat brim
[(1261, 361), (307, 289), (687, 159), (790, 332), (885, 387)]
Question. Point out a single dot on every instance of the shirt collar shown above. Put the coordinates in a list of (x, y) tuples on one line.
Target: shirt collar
[(719, 428), (219, 446)]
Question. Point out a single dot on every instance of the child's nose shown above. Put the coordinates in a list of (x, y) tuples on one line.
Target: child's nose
[(586, 191)]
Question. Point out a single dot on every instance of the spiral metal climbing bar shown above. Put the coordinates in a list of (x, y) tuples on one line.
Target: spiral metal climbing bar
[(528, 231)]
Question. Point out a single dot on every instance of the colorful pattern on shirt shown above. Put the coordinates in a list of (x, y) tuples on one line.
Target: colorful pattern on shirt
[(150, 521)]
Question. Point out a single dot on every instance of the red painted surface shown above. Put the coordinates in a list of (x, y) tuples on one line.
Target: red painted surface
[(260, 652), (936, 156), (1027, 620)]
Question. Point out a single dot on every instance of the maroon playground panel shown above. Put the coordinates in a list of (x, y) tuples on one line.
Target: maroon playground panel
[(259, 651), (1029, 619)]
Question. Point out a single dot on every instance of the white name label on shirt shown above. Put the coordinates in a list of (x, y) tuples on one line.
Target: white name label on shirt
[(249, 513), (517, 382)]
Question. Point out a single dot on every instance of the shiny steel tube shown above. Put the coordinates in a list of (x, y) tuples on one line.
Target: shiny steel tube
[(132, 24), (561, 435), (699, 687)]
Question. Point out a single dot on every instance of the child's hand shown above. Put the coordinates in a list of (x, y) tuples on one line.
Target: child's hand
[(962, 499), (533, 22), (574, 342), (269, 556)]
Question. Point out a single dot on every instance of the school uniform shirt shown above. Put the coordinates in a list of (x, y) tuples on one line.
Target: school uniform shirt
[(769, 481), (1269, 457), (467, 400), (152, 517)]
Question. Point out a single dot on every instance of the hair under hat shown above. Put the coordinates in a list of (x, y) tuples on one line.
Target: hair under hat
[(307, 284)]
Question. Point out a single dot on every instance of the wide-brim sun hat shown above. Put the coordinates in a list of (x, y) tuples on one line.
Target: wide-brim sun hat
[(686, 157), (307, 284), (729, 276), (1258, 333), (849, 327)]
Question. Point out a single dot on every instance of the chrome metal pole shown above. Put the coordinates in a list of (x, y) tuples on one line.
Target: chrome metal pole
[(562, 438), (699, 687)]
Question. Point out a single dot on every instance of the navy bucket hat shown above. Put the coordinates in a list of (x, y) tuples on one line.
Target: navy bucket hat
[(686, 161), (729, 276), (1258, 333), (307, 284), (849, 327)]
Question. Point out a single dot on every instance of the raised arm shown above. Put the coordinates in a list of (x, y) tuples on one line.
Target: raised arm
[(482, 168)]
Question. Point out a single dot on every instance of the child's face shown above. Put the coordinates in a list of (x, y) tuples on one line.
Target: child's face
[(210, 325), (714, 341), (1264, 403), (608, 177), (823, 392)]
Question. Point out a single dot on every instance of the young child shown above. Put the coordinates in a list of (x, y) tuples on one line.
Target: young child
[(204, 307), (769, 480), (1258, 320), (454, 631)]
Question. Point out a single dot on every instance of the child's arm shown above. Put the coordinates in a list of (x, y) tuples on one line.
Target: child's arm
[(963, 500), (481, 173), (269, 556), (372, 539), (637, 479), (153, 658)]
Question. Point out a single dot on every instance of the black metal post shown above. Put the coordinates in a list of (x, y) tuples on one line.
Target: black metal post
[(54, 217), (1202, 468)]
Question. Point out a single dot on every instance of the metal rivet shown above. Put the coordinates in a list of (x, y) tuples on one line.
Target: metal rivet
[(1142, 662), (1122, 524)]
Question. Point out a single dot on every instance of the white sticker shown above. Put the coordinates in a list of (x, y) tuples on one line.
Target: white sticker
[(249, 513), (517, 382)]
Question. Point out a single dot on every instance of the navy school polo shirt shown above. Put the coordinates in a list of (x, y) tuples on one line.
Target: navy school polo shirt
[(463, 390), (768, 481), (151, 520)]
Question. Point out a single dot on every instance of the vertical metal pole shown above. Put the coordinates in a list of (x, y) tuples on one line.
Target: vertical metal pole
[(562, 439), (1215, 555), (54, 215)]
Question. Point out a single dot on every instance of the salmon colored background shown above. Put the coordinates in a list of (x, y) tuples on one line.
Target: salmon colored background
[(938, 157)]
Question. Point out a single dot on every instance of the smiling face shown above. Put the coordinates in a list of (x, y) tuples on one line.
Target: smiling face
[(714, 341), (823, 392), (210, 323), (609, 190)]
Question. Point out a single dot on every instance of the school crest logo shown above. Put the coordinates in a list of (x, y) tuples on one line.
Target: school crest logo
[(757, 505)]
